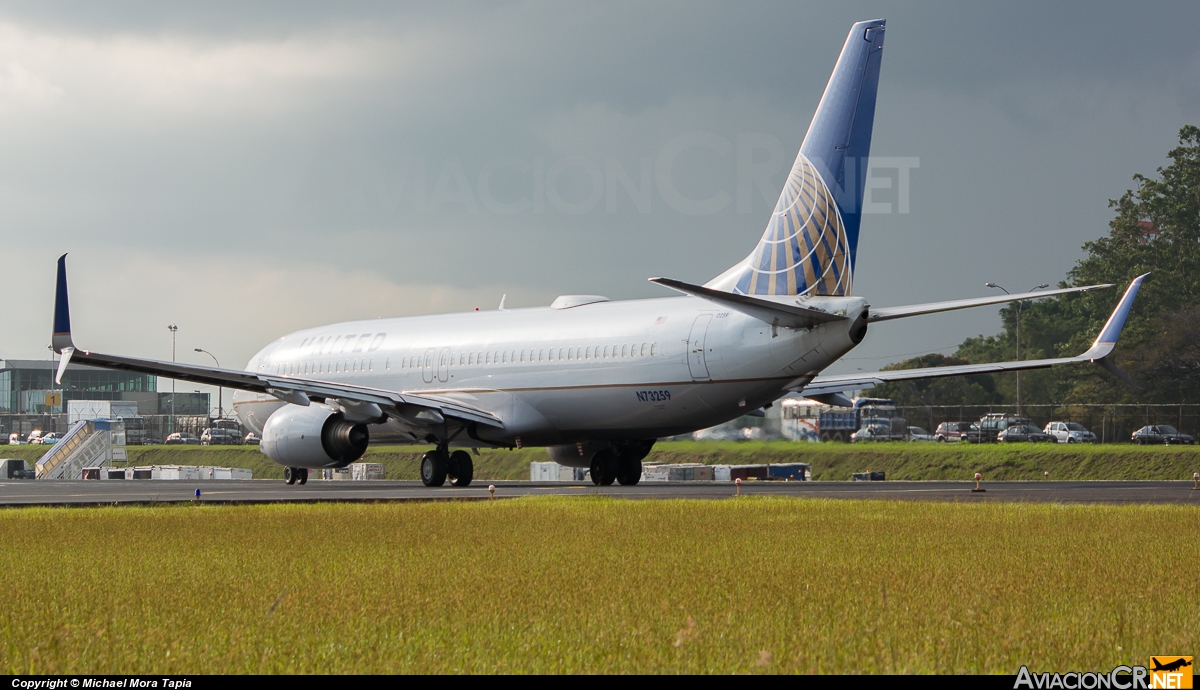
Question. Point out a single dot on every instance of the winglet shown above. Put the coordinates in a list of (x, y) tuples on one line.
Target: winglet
[(61, 339), (62, 364), (1107, 340)]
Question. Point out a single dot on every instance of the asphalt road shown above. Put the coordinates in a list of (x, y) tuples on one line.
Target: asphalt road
[(28, 492)]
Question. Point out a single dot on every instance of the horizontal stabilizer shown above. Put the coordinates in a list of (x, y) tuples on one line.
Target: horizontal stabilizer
[(1100, 349), (775, 313), (889, 313)]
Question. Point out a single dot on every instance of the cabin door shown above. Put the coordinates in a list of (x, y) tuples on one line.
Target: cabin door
[(696, 363)]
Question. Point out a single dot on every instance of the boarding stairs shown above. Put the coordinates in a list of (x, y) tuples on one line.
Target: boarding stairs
[(86, 444)]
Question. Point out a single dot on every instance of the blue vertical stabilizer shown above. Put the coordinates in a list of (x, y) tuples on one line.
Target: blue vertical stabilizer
[(838, 142), (810, 243)]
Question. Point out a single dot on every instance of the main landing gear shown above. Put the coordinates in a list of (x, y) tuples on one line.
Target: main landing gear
[(292, 475), (621, 466), (438, 465)]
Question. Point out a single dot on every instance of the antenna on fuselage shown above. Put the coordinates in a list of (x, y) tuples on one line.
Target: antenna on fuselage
[(502, 298)]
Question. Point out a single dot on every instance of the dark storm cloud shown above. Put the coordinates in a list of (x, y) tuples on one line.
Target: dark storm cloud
[(414, 143)]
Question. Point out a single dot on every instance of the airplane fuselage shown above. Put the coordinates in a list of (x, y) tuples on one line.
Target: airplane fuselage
[(637, 369)]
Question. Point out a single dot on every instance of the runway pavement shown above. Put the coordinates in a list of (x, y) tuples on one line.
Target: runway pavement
[(31, 492)]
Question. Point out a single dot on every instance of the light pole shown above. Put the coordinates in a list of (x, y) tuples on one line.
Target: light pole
[(174, 329), (220, 413), (1032, 289)]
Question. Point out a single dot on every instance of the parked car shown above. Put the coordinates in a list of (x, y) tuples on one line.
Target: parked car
[(1160, 433), (220, 437), (965, 432), (1021, 433), (916, 433), (252, 438), (14, 439), (33, 436), (182, 438), (990, 425), (873, 432), (1069, 432), (151, 440), (48, 439)]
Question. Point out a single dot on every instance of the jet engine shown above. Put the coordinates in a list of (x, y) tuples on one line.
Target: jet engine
[(313, 436)]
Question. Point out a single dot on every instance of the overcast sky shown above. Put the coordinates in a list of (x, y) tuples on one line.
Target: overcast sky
[(244, 171)]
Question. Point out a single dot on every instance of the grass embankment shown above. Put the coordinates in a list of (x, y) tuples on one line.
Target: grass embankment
[(835, 461), (830, 461), (597, 585)]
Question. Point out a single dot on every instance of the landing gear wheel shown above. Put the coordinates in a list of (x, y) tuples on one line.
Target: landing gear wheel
[(289, 475), (461, 469), (604, 468), (629, 470), (302, 475), (433, 468)]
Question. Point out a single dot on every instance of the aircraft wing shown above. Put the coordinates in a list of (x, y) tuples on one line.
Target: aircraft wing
[(889, 313), (1097, 353), (371, 403)]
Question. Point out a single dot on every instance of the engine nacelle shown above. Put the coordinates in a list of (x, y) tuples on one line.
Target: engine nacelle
[(312, 436)]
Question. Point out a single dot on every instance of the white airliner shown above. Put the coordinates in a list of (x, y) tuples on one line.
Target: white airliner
[(599, 381)]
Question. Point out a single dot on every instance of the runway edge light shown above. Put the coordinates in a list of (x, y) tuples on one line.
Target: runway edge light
[(978, 489)]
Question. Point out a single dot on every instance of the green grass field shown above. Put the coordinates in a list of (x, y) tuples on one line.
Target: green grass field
[(597, 585), (829, 461)]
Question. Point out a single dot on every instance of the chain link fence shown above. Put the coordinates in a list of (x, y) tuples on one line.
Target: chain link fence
[(1112, 423), (139, 430)]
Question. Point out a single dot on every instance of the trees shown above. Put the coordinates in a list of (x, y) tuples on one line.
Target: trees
[(1156, 229)]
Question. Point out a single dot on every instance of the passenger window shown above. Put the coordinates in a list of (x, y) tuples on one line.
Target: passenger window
[(541, 355), (504, 357), (489, 358), (653, 349), (560, 354), (643, 349), (624, 351), (570, 353), (522, 355)]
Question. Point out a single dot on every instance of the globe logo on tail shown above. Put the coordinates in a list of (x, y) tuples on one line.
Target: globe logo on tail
[(804, 249)]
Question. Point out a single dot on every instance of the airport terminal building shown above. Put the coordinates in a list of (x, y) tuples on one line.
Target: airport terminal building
[(27, 387)]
